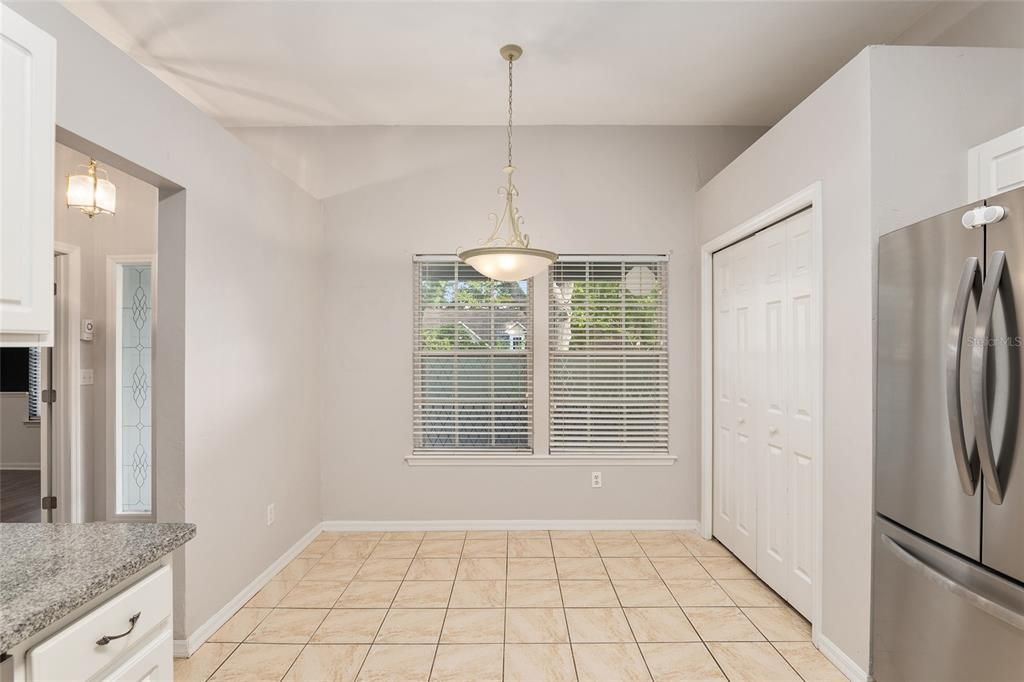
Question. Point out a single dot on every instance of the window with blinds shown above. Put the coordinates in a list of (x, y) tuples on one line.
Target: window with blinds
[(608, 356), (473, 361)]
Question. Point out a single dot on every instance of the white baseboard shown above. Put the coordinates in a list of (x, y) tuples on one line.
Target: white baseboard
[(840, 660), (20, 466), (560, 524), (183, 648)]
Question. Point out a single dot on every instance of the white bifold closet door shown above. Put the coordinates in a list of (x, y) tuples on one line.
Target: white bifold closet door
[(765, 355)]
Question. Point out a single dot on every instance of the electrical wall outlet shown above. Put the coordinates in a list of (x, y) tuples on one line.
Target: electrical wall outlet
[(595, 479), (88, 377), (270, 514)]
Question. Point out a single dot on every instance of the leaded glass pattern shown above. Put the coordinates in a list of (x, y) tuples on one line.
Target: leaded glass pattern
[(135, 370)]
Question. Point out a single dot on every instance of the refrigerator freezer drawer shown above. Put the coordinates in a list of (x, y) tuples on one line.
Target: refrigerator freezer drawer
[(941, 618)]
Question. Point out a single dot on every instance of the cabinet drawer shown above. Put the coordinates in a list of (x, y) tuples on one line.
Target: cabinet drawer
[(154, 662), (75, 654)]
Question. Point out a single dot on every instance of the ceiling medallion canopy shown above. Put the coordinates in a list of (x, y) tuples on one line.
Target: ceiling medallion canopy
[(508, 258)]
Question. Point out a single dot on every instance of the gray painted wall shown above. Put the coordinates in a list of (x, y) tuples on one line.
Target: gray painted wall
[(583, 190), (251, 293)]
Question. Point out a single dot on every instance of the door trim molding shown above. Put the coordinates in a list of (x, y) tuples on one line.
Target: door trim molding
[(809, 197), (69, 471)]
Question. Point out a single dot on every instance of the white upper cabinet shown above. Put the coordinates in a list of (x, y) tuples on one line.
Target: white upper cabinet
[(28, 76), (996, 166)]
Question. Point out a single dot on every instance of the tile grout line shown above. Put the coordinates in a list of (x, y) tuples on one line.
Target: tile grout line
[(703, 642), (565, 615), (444, 618), (504, 607), (221, 664), (367, 558), (678, 606), (272, 609), (370, 647), (292, 664), (623, 608), (740, 608)]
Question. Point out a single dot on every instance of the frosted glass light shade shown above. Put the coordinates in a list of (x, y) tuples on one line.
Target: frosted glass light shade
[(508, 263), (80, 191), (91, 194), (106, 196)]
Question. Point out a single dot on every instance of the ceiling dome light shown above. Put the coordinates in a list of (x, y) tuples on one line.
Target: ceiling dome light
[(90, 193), (508, 259)]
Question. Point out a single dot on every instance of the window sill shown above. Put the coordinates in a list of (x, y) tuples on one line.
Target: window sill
[(539, 460), (31, 422)]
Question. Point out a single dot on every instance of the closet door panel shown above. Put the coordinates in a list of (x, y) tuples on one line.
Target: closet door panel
[(802, 421), (773, 540), (746, 389), (724, 502)]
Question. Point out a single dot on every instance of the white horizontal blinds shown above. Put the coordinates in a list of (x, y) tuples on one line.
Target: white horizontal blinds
[(608, 342), (473, 362)]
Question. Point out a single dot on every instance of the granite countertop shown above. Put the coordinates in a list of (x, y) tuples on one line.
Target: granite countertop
[(47, 570)]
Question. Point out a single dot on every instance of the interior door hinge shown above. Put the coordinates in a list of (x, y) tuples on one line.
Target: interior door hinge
[(48, 395), (49, 502)]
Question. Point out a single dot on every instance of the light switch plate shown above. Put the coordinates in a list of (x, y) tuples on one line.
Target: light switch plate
[(88, 378)]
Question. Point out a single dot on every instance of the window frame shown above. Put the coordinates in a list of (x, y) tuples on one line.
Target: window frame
[(541, 455)]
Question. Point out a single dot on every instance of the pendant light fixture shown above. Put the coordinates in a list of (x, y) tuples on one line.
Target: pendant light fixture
[(90, 193), (510, 258)]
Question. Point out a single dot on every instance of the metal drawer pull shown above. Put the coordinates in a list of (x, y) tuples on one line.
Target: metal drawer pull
[(107, 639)]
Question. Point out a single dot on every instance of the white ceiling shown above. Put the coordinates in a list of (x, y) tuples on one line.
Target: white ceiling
[(436, 63)]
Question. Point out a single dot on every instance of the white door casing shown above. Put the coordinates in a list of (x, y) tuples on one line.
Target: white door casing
[(28, 76), (996, 166)]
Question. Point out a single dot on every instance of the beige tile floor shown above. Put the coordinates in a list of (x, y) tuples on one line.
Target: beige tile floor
[(532, 605)]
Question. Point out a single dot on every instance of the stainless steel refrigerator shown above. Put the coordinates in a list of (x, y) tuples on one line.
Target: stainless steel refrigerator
[(948, 543)]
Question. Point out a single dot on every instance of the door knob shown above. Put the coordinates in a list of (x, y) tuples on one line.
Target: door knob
[(740, 420), (773, 430)]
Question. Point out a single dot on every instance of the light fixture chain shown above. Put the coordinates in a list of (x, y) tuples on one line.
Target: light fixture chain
[(510, 112)]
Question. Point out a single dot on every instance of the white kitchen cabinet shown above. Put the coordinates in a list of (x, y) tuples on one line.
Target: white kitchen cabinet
[(28, 76), (996, 166), (136, 651)]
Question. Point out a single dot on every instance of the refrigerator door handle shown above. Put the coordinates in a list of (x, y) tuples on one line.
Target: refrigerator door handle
[(994, 609), (966, 461), (979, 377)]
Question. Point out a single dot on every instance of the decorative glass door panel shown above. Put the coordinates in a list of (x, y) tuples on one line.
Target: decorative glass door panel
[(134, 367)]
